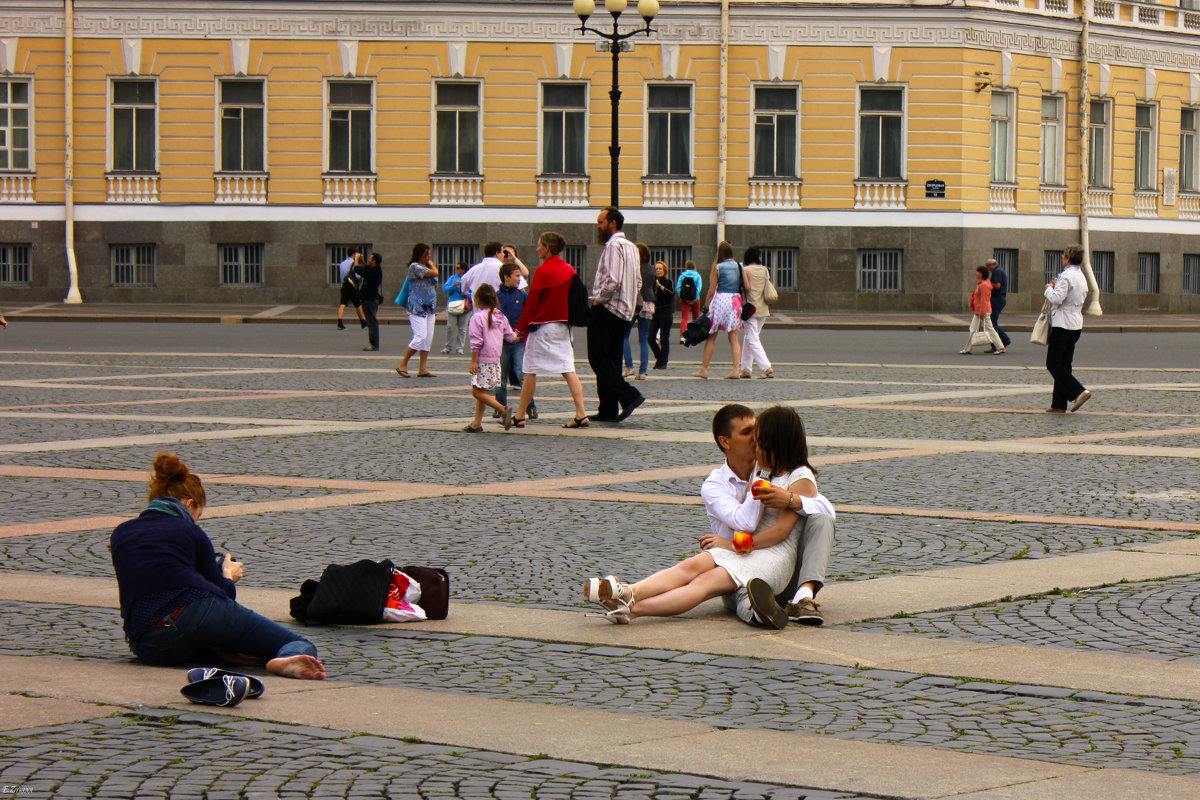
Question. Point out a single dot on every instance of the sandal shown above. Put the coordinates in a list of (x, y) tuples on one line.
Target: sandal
[(473, 429), (577, 422), (403, 373), (768, 374), (604, 591), (519, 423), (426, 375), (506, 418)]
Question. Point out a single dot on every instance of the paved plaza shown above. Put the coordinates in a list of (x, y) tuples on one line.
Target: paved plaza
[(1011, 610)]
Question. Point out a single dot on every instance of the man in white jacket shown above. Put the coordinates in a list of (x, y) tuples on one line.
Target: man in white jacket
[(730, 507)]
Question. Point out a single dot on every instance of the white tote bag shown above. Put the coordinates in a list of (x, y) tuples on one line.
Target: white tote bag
[(1041, 327)]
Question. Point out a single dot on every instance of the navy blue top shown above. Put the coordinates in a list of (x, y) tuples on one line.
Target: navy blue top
[(1001, 277), (163, 558), (512, 303)]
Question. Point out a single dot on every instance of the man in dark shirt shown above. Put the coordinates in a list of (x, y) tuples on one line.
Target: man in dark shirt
[(370, 298), (999, 299)]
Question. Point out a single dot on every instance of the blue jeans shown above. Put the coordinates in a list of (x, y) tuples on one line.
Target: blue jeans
[(512, 359), (998, 304), (643, 329), (218, 623)]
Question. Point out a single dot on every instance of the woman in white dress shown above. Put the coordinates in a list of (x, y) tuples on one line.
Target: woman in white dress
[(783, 459)]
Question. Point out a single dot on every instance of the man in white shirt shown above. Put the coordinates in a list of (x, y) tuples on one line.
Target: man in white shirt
[(731, 507), (614, 296), (495, 255)]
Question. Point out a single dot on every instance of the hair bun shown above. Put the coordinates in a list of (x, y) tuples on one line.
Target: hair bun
[(168, 467)]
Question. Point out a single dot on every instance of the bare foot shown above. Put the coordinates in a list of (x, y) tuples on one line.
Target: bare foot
[(306, 668)]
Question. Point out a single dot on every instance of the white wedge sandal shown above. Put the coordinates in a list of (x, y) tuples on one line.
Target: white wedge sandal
[(603, 591)]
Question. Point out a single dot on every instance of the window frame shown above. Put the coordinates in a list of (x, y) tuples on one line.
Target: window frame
[(861, 271), (674, 256), (446, 256), (1060, 141), (1189, 151), (136, 267), (1104, 269), (1144, 174), (12, 271), (478, 109), (1149, 273), (650, 112), (1051, 264), (563, 111), (775, 114), (781, 264), (111, 155), (243, 264), (1104, 130), (902, 156), (221, 106), (1191, 273), (1009, 144), (1009, 258), (335, 254), (327, 124), (6, 130)]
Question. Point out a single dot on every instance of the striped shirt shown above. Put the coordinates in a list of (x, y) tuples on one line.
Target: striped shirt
[(618, 276)]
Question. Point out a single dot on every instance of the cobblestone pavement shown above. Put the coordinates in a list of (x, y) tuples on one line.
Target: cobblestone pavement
[(1039, 722), (331, 454), (138, 755)]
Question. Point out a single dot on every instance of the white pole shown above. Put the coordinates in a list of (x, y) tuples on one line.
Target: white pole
[(73, 295)]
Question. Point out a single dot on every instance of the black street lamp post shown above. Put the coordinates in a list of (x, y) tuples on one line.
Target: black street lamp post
[(648, 9)]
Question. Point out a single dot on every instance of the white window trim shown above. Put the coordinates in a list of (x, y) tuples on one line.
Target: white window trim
[(108, 123), (754, 87), (325, 123), (587, 121), (691, 166), (218, 105), (32, 168), (1152, 167), (433, 106), (1060, 145), (903, 131), (1011, 143)]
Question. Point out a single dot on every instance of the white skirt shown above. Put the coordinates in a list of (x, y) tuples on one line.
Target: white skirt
[(549, 350), (725, 311)]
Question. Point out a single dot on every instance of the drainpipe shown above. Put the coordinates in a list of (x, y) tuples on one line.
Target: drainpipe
[(73, 295), (1092, 302), (723, 125)]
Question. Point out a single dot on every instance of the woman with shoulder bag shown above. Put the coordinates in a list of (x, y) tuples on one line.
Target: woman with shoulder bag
[(724, 302), (760, 292), (1066, 293), (457, 309)]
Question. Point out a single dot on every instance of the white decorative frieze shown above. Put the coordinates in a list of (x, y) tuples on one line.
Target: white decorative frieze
[(457, 52), (776, 59), (563, 52), (348, 53), (131, 49), (882, 62), (240, 48), (670, 60), (8, 55)]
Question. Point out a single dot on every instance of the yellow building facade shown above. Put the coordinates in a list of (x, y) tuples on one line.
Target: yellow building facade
[(231, 152)]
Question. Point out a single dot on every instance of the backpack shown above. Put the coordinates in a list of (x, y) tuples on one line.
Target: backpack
[(687, 289), (579, 307)]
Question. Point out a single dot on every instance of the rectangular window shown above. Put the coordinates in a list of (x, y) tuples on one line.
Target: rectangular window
[(1051, 264), (133, 126), (1191, 273), (350, 107), (776, 123), (457, 115), (1187, 150), (132, 264), (781, 261), (880, 133), (1098, 138), (669, 130), (1007, 258), (880, 270), (242, 126), (564, 131), (1143, 154), (14, 263), (241, 264), (446, 256), (1103, 263), (1002, 104), (1148, 273), (576, 256), (1053, 140), (14, 125), (674, 257), (337, 254)]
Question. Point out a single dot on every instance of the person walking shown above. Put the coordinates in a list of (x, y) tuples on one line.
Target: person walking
[(981, 304), (370, 294), (664, 316), (1066, 293), (645, 311), (688, 286), (614, 293), (724, 302), (489, 331), (999, 279), (350, 273), (760, 292), (512, 355), (457, 311), (421, 305)]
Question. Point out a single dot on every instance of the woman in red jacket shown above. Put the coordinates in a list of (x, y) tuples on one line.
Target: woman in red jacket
[(981, 304), (544, 324)]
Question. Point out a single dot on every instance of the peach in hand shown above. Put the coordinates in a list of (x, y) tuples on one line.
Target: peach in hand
[(743, 542), (759, 485)]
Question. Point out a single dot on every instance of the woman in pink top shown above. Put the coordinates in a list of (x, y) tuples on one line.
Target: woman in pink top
[(488, 331), (981, 304)]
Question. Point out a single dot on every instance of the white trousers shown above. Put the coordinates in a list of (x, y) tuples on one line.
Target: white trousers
[(752, 349), (984, 322), (422, 328)]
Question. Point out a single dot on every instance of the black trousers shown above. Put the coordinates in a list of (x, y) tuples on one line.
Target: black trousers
[(660, 336), (605, 342), (1060, 352), (369, 308)]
